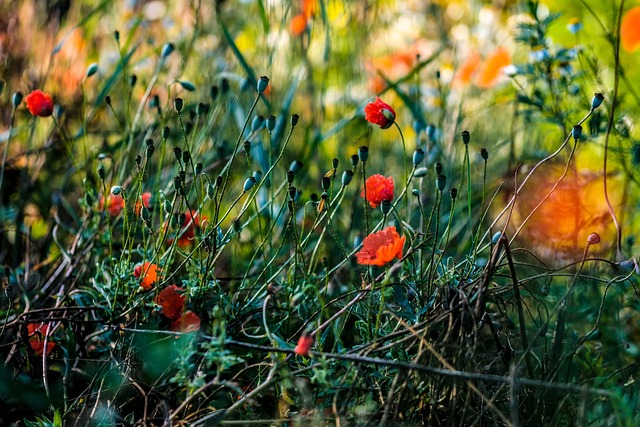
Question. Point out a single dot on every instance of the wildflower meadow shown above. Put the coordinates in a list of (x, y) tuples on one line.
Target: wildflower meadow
[(319, 213)]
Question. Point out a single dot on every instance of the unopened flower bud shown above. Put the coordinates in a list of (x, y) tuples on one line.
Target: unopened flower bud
[(178, 104), (415, 192), (166, 132), (290, 176), (453, 192), (271, 123), (347, 176), (146, 215), (441, 182), (167, 50), (292, 193), (263, 82), (16, 99), (199, 167), (91, 70), (186, 156), (257, 124), (132, 80), (354, 160), (116, 190), (363, 153), (334, 163), (246, 146), (385, 206), (576, 132), (213, 92), (326, 183), (257, 174), (187, 85), (466, 137), (294, 120), (249, 183), (593, 239), (418, 156), (211, 191), (296, 166), (484, 153), (439, 168), (421, 172), (597, 99), (496, 237), (178, 153), (101, 172), (107, 100)]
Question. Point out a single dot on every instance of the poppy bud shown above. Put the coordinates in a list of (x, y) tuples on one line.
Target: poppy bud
[(116, 35), (167, 50), (484, 153), (296, 166), (178, 103), (263, 82), (363, 153), (347, 176), (178, 153), (421, 172), (271, 123), (91, 70), (246, 146), (183, 176), (354, 160), (466, 137), (187, 85), (107, 100), (292, 193), (576, 132), (199, 167), (593, 239), (334, 163), (219, 180), (453, 192), (186, 156), (385, 207), (224, 85), (257, 124), (418, 156), (441, 182), (294, 120), (101, 172), (146, 215), (496, 237), (213, 92), (257, 175), (201, 109), (116, 190), (439, 168), (415, 192), (249, 183), (138, 160), (326, 182), (166, 132), (16, 99), (177, 182), (290, 176), (596, 101), (132, 80), (211, 191)]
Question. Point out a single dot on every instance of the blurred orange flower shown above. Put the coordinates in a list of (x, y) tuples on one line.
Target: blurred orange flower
[(189, 322), (187, 231), (115, 204), (630, 29), (171, 301), (304, 345), (37, 332), (379, 188), (491, 70), (381, 247), (464, 74), (146, 199), (147, 273), (39, 103), (300, 22)]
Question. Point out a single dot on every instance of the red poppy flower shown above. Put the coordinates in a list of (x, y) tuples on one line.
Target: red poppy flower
[(630, 29), (39, 103), (304, 345), (37, 332), (379, 113), (379, 188), (172, 302), (146, 201), (381, 247), (189, 322), (147, 273), (298, 25), (115, 204)]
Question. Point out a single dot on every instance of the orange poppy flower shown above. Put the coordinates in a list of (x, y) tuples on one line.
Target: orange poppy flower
[(172, 302), (464, 74), (630, 29), (39, 103), (298, 25), (146, 201), (381, 247), (147, 273), (115, 204), (379, 188), (37, 332), (304, 345), (308, 8), (491, 69), (379, 113), (189, 322)]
